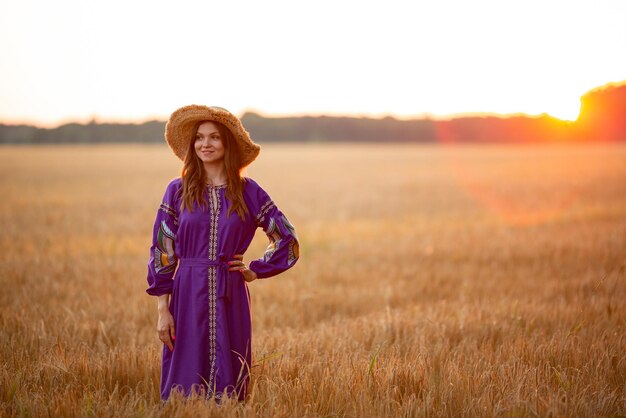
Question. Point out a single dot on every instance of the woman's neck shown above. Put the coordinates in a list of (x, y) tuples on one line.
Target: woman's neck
[(215, 173)]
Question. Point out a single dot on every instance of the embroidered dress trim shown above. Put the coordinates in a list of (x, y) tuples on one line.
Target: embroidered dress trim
[(164, 256), (214, 205), (294, 245), (265, 208), (170, 211), (212, 324), (275, 236), (219, 186)]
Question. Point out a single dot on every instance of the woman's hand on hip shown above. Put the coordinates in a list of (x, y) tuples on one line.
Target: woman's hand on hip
[(238, 265)]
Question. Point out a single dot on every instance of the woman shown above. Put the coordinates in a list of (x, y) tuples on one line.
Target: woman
[(205, 223)]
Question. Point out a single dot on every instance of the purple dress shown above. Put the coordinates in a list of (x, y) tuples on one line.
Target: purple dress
[(211, 305)]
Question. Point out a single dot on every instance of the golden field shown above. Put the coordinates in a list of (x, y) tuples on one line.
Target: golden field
[(433, 281)]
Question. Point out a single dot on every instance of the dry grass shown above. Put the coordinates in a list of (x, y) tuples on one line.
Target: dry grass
[(469, 281)]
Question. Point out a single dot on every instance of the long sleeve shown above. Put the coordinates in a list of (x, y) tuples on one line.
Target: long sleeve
[(284, 249), (163, 259)]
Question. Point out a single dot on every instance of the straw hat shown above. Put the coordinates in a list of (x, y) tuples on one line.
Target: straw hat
[(181, 124)]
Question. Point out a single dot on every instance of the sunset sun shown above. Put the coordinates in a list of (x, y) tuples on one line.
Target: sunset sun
[(567, 111)]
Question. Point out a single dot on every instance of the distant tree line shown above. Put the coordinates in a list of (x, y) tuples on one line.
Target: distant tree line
[(333, 129), (601, 118), (83, 133)]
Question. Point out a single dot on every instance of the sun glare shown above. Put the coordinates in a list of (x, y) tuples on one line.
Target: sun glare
[(567, 111)]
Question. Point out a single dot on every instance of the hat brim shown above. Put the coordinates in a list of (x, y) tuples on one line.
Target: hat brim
[(181, 124)]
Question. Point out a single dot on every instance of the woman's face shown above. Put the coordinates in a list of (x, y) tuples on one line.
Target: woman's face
[(208, 145)]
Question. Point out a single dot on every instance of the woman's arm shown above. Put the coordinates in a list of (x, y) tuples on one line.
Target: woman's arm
[(284, 248), (163, 263), (163, 303), (163, 260)]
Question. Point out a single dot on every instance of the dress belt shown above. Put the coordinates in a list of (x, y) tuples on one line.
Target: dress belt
[(201, 262), (223, 284)]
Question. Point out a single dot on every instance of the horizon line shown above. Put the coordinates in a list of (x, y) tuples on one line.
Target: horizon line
[(357, 115)]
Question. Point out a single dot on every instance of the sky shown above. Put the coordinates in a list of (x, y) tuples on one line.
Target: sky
[(137, 60)]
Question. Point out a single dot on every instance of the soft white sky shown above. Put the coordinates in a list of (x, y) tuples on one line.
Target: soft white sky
[(133, 60)]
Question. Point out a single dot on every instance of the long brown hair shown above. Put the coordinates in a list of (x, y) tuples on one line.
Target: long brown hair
[(194, 176)]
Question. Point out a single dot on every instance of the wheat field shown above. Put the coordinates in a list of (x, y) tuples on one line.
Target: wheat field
[(433, 281)]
